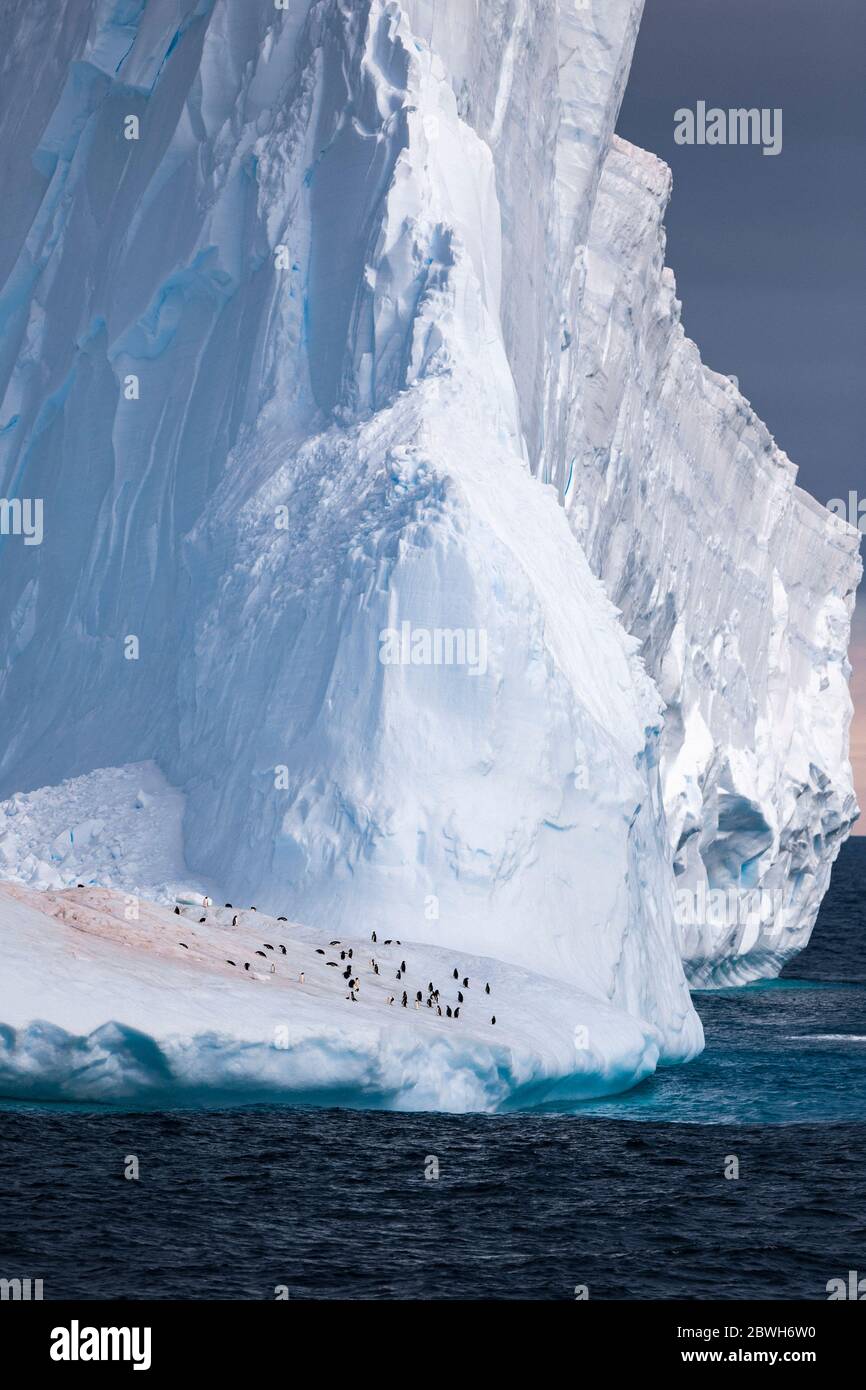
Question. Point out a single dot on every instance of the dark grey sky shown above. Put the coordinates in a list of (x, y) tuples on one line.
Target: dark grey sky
[(770, 252)]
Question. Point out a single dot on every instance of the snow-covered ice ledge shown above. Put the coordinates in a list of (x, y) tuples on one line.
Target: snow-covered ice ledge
[(138, 1018)]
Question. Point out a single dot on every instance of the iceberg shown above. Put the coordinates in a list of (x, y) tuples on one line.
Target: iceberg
[(338, 344)]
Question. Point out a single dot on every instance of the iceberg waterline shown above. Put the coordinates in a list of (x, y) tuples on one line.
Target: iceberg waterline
[(392, 298)]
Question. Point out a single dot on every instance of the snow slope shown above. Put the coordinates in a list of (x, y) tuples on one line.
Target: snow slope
[(136, 1016)]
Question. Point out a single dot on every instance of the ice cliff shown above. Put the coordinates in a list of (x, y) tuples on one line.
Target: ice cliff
[(331, 330)]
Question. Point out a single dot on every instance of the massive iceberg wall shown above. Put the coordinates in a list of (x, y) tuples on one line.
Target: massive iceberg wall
[(322, 352), (739, 584)]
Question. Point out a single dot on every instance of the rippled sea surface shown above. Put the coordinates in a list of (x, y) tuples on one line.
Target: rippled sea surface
[(627, 1196)]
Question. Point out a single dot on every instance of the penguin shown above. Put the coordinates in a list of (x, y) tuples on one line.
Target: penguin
[(404, 1001), (439, 1010), (487, 989), (301, 978), (283, 949), (333, 964), (282, 919), (228, 904), (252, 909), (246, 965), (375, 968), (390, 999), (373, 937), (267, 945), (456, 976), (448, 1010), (456, 1013), (399, 974), (430, 987), (79, 885), (465, 981), (429, 1003), (350, 953), (398, 943), (493, 1019), (403, 965), (201, 919), (436, 995), (333, 943), (235, 920), (184, 945), (459, 997), (342, 955), (417, 1005), (418, 996), (347, 973), (261, 953), (177, 909), (319, 951), (388, 941), (229, 962)]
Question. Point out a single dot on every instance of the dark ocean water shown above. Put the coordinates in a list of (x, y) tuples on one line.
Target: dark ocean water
[(627, 1196)]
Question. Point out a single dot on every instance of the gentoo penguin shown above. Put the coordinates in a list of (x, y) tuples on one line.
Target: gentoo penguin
[(235, 920), (184, 945), (430, 987), (403, 965), (487, 989), (493, 1019), (459, 997), (373, 937), (177, 909), (456, 1013), (418, 996), (301, 978), (465, 981), (283, 949), (405, 1000), (456, 976), (448, 1010)]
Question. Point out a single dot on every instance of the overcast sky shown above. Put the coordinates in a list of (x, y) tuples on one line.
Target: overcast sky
[(769, 252)]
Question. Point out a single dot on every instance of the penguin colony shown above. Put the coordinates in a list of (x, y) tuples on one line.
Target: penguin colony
[(352, 979)]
